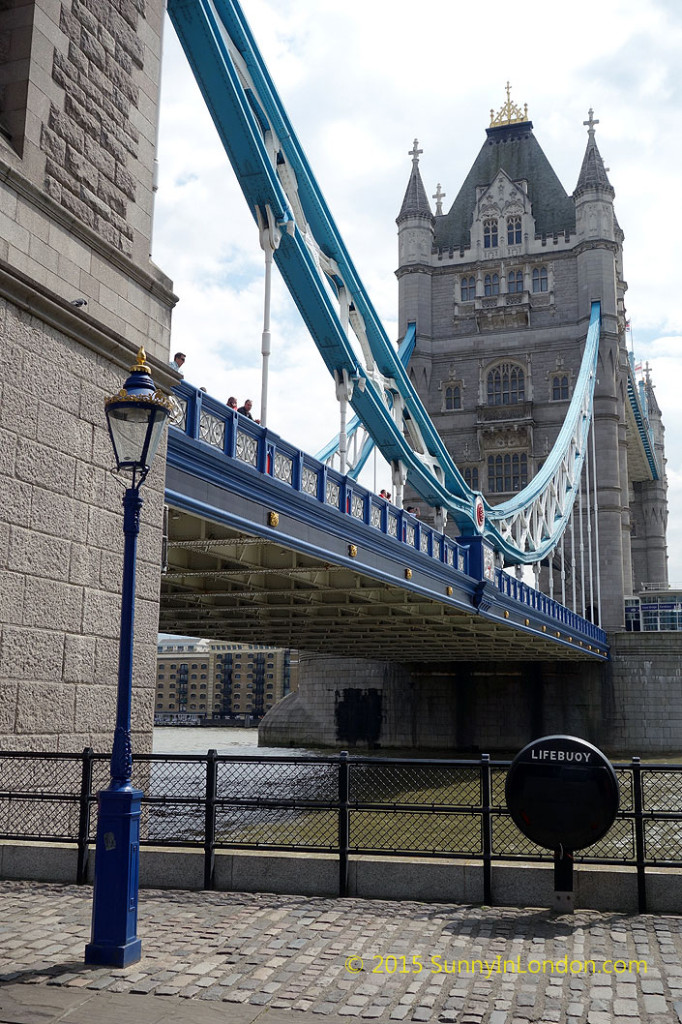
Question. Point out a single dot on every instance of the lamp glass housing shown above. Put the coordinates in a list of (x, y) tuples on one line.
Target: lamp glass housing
[(136, 428)]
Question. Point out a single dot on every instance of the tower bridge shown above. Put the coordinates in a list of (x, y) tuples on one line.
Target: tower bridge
[(510, 414), (268, 545)]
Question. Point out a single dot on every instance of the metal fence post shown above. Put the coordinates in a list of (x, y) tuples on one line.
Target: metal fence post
[(639, 833), (209, 822), (344, 821), (84, 817), (487, 830)]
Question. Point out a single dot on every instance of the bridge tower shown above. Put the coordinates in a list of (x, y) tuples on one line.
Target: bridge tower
[(79, 87), (500, 287)]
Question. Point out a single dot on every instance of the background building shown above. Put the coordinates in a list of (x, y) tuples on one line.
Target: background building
[(207, 679)]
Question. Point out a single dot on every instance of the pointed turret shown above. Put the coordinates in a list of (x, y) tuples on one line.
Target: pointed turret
[(415, 203), (592, 173), (415, 244), (594, 213)]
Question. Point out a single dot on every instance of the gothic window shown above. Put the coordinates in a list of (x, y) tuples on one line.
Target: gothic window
[(453, 397), (471, 477), (515, 281), (506, 385), (513, 231), (560, 388), (468, 289), (539, 279), (507, 473), (490, 234), (491, 284)]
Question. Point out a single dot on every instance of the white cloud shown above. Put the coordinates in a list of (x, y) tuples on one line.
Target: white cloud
[(359, 82)]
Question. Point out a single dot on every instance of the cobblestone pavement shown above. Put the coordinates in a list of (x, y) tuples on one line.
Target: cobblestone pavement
[(237, 957)]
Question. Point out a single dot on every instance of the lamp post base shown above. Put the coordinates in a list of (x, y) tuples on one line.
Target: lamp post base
[(114, 940)]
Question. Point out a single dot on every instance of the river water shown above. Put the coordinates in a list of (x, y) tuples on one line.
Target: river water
[(186, 740)]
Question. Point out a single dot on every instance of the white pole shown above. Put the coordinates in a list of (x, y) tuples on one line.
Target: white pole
[(344, 393), (265, 341), (269, 236)]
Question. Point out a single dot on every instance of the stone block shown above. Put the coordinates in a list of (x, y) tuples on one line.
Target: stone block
[(45, 467), (37, 554), (105, 529), (279, 873), (106, 659), (31, 654), (64, 429), (94, 705), (79, 659), (8, 707), (45, 708), (40, 862), (420, 879), (111, 571), (171, 869), (101, 614), (91, 483), (52, 603), (58, 515), (83, 565), (11, 597), (15, 499)]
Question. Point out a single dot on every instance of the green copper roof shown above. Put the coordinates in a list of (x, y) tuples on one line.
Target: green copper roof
[(514, 149)]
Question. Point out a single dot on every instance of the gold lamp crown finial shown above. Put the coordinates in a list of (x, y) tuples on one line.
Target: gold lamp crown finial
[(141, 363), (509, 113)]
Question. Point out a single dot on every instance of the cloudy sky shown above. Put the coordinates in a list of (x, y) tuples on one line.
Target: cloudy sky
[(360, 81)]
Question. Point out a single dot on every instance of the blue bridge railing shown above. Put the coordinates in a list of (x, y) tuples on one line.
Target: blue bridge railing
[(204, 418), (207, 420)]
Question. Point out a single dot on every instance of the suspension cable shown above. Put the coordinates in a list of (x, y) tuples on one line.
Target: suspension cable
[(589, 530), (596, 524)]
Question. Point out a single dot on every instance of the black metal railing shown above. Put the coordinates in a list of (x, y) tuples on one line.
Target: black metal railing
[(334, 804)]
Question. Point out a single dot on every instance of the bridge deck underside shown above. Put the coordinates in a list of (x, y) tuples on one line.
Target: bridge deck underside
[(223, 583)]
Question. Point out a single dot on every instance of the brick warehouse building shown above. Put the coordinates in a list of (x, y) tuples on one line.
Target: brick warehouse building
[(211, 680)]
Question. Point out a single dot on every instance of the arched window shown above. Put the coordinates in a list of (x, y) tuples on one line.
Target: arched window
[(453, 397), (513, 231), (471, 477), (506, 385), (507, 472), (491, 284), (515, 281), (539, 279), (468, 289), (560, 388), (490, 234)]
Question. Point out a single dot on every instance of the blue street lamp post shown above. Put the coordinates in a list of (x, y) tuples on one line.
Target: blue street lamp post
[(136, 417)]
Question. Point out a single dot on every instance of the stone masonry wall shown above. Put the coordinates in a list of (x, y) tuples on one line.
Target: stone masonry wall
[(90, 140), (75, 223), (632, 706), (61, 547)]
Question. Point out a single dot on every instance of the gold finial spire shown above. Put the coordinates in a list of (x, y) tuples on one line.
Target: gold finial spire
[(509, 113), (141, 363)]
